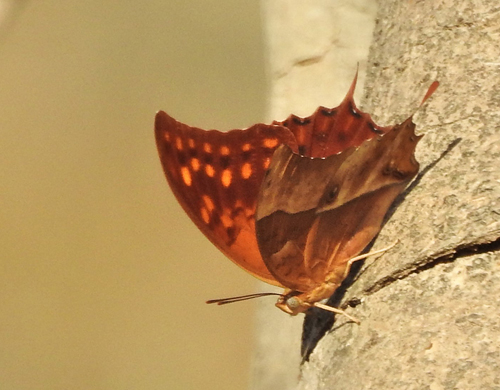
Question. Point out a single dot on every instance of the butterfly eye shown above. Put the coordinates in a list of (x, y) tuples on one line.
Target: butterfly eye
[(293, 303)]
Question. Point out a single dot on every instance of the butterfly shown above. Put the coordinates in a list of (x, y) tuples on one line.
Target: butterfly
[(292, 202)]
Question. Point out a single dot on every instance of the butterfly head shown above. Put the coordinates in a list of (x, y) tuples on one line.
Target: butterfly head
[(292, 304)]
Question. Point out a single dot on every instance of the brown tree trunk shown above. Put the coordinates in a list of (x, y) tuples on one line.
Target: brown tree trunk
[(430, 316)]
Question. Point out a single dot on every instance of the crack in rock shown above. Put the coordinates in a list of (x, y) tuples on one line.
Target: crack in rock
[(482, 245)]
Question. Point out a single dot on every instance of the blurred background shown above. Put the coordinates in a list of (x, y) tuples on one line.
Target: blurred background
[(103, 277)]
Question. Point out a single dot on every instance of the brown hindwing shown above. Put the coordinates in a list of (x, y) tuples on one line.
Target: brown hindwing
[(313, 215)]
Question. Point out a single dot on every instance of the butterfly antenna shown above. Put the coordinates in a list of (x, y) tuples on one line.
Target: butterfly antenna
[(224, 301)]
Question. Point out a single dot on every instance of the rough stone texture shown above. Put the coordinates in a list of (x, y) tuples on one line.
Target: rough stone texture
[(428, 307), (313, 48), (437, 329)]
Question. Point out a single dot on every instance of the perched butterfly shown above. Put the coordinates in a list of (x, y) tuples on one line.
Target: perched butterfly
[(293, 202)]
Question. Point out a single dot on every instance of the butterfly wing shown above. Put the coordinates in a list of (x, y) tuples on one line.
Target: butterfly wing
[(313, 215), (332, 130), (216, 177)]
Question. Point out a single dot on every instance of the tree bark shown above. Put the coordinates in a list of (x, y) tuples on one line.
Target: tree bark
[(428, 308)]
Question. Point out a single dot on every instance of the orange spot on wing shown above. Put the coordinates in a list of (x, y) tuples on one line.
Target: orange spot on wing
[(207, 147), (246, 170), (209, 170), (205, 215), (226, 177), (186, 176), (250, 214), (246, 147), (270, 142), (178, 143), (167, 137), (195, 164), (266, 163), (208, 203), (224, 150), (191, 143), (226, 220)]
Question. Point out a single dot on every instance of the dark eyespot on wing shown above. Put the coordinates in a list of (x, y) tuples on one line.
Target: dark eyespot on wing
[(301, 121), (328, 112), (375, 129)]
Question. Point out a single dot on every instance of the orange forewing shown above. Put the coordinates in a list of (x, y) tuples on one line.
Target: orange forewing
[(216, 177)]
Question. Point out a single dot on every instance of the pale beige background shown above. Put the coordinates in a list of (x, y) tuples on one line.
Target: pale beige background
[(102, 276)]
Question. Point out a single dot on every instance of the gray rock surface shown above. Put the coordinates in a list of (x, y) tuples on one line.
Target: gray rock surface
[(428, 308), (437, 329), (430, 317)]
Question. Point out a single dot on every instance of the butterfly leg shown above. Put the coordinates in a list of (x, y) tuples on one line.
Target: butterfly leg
[(336, 311), (333, 279), (351, 261)]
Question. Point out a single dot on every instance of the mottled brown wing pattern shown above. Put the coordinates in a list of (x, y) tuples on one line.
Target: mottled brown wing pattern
[(216, 177), (313, 215)]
